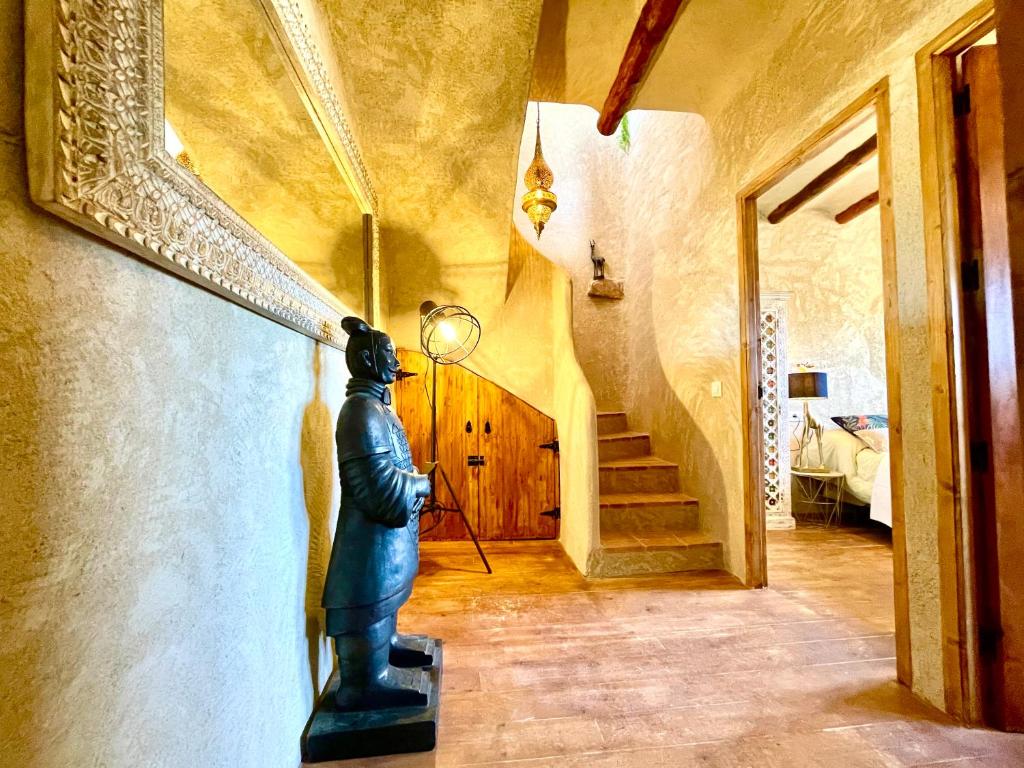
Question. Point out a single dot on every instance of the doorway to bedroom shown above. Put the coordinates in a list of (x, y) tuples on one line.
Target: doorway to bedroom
[(819, 335), (827, 497), (822, 341)]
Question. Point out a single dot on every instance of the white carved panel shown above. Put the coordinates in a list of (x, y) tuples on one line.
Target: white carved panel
[(775, 410)]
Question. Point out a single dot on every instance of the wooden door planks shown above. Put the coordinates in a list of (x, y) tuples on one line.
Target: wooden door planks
[(505, 496), (992, 384), (518, 482)]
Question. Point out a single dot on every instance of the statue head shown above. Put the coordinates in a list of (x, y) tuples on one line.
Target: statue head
[(370, 353)]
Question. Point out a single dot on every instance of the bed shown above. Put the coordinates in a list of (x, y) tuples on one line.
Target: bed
[(865, 468)]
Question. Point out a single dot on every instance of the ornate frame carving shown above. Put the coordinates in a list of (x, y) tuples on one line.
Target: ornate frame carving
[(95, 141)]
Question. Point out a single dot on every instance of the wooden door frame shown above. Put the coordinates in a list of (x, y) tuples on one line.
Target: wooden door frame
[(874, 99), (935, 80)]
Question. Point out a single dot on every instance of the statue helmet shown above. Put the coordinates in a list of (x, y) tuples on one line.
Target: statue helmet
[(362, 338)]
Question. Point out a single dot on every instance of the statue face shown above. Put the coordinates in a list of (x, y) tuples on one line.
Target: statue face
[(386, 365)]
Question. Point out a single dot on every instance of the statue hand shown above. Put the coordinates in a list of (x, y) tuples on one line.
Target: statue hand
[(423, 486)]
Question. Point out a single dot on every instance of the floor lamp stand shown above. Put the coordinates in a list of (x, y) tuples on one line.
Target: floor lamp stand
[(432, 505)]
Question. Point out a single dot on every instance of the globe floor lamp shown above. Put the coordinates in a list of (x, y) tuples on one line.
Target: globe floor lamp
[(448, 335)]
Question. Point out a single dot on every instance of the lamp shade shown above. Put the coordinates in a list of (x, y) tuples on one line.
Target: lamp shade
[(808, 385), (448, 333)]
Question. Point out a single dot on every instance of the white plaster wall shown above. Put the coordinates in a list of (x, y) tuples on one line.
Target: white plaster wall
[(167, 470), (835, 316), (588, 170)]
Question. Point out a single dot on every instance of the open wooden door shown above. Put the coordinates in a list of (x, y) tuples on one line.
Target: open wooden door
[(491, 445), (993, 407)]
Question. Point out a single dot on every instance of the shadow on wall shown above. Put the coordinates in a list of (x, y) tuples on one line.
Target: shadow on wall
[(675, 434), (316, 456), (347, 268), (411, 263), (30, 534)]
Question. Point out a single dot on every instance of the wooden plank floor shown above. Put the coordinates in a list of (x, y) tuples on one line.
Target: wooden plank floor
[(544, 668)]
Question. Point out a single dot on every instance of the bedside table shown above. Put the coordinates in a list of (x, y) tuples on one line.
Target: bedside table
[(815, 487)]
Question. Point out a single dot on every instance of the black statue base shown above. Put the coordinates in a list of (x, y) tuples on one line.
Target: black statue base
[(334, 735)]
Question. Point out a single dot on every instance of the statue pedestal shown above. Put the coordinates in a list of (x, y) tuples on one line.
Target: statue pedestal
[(334, 735)]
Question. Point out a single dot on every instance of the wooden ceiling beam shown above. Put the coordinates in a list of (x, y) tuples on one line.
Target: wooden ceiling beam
[(652, 27), (855, 210), (852, 159)]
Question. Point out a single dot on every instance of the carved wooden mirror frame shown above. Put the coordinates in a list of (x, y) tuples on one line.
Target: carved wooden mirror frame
[(96, 157)]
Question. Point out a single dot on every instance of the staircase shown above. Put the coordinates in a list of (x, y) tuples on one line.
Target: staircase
[(647, 525)]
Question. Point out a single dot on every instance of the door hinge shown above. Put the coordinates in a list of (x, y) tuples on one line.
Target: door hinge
[(979, 456), (760, 391), (962, 101), (970, 276), (554, 514), (552, 446), (476, 461)]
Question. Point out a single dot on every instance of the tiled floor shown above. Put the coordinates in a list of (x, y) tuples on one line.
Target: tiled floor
[(543, 668)]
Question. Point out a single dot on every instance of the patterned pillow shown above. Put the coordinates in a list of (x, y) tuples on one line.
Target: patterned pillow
[(875, 439), (854, 424)]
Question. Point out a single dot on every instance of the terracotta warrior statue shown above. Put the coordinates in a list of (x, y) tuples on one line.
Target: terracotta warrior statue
[(376, 547)]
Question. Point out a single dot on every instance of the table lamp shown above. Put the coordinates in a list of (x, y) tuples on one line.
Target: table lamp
[(807, 386)]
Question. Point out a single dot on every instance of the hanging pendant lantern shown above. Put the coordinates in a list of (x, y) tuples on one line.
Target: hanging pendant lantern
[(539, 201)]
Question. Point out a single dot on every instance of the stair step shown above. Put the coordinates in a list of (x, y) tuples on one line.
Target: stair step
[(621, 542), (650, 520), (621, 445), (639, 474), (611, 421), (624, 554), (648, 513), (646, 500)]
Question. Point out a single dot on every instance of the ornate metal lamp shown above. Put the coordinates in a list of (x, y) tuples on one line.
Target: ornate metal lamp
[(448, 335), (539, 201)]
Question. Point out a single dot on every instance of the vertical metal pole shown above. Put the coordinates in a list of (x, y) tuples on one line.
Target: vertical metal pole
[(433, 432)]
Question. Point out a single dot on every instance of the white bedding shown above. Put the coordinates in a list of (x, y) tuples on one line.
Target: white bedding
[(881, 493), (866, 470)]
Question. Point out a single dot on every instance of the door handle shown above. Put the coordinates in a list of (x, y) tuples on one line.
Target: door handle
[(469, 427), (487, 427)]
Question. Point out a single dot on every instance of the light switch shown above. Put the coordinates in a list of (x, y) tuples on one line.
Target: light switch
[(716, 389)]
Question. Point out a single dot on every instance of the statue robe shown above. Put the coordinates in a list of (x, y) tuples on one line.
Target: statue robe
[(375, 556)]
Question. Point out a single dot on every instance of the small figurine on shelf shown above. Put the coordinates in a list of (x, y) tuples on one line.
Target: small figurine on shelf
[(603, 287), (598, 262)]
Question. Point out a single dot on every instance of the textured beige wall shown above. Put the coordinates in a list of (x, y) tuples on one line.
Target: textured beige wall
[(166, 472), (576, 418), (685, 276), (834, 316), (438, 89)]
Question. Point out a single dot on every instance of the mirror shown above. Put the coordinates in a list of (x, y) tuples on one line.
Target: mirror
[(236, 117)]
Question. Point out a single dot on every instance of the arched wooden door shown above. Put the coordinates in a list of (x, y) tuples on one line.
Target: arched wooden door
[(492, 446)]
